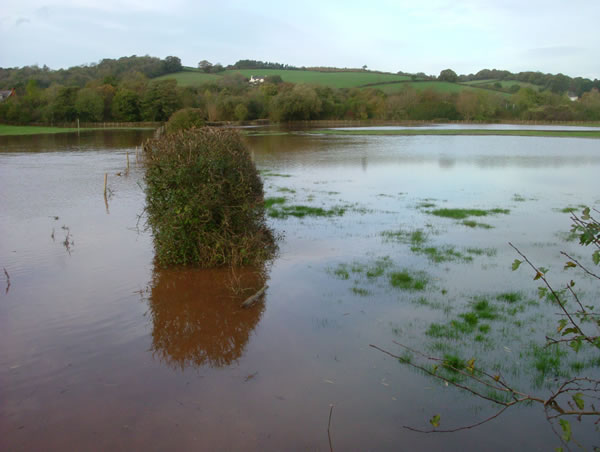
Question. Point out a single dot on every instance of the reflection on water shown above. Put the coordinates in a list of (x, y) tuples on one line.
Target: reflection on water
[(197, 317)]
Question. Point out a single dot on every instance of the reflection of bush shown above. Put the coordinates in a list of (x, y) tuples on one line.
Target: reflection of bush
[(197, 318)]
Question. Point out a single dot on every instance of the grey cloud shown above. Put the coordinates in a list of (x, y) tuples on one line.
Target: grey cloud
[(21, 21)]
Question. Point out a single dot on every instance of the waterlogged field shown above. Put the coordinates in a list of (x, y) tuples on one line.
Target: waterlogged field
[(384, 240)]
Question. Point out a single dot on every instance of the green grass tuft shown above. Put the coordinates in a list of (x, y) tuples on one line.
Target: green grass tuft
[(405, 281)]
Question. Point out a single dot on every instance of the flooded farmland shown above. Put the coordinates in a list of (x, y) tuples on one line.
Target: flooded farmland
[(384, 239)]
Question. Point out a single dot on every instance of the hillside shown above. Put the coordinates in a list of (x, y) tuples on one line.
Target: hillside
[(350, 79), (386, 82)]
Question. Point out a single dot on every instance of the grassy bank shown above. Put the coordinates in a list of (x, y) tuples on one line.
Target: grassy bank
[(470, 132), (39, 130)]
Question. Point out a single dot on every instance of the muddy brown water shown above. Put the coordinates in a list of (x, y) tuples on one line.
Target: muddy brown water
[(100, 350)]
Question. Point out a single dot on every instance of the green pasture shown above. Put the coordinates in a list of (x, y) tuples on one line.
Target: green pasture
[(40, 130), (34, 130), (191, 77)]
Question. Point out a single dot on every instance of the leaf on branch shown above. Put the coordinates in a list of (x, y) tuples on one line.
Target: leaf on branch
[(471, 365), (586, 214), (572, 283), (497, 377), (570, 264), (561, 324), (538, 275), (435, 420), (542, 292), (566, 428), (516, 264), (596, 257), (575, 344), (578, 399)]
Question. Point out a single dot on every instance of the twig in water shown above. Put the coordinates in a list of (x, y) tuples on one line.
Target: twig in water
[(329, 427), (251, 300), (7, 279)]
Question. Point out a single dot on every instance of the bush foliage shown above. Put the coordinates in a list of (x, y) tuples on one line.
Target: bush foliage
[(186, 118), (205, 200)]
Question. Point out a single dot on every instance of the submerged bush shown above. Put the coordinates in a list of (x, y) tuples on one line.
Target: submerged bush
[(205, 200)]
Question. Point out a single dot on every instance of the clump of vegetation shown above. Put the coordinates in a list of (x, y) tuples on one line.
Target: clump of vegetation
[(204, 200), (300, 211), (441, 254), (407, 281), (475, 224), (461, 214), (186, 118), (416, 237)]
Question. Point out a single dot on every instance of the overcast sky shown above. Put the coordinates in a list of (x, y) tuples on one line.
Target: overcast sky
[(412, 36)]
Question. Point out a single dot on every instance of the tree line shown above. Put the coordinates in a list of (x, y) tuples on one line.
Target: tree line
[(132, 96)]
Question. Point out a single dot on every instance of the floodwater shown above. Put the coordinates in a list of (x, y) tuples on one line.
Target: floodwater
[(100, 350)]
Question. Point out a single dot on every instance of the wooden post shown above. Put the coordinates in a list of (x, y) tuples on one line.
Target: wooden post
[(77, 126), (105, 180), (127, 154)]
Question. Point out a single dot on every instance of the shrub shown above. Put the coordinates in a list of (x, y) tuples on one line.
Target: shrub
[(186, 118), (205, 200)]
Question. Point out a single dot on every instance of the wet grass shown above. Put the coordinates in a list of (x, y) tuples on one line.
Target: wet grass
[(441, 254), (475, 224), (510, 297), (286, 190), (406, 280), (270, 202), (571, 209), (416, 237), (360, 291), (489, 252), (461, 214), (300, 211), (269, 173)]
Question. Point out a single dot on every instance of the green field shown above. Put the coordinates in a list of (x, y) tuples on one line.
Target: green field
[(36, 130), (33, 130), (192, 77), (472, 132)]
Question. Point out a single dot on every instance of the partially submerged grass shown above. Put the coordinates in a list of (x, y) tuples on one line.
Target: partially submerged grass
[(270, 202), (408, 281), (461, 214), (441, 254), (489, 252), (510, 297), (475, 224), (416, 237), (301, 211)]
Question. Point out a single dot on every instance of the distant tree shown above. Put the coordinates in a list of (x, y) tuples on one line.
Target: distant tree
[(185, 118), (448, 75), (160, 100), (63, 106), (172, 64), (205, 66), (126, 106), (241, 112), (299, 103), (275, 79), (89, 105), (217, 68), (364, 68)]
